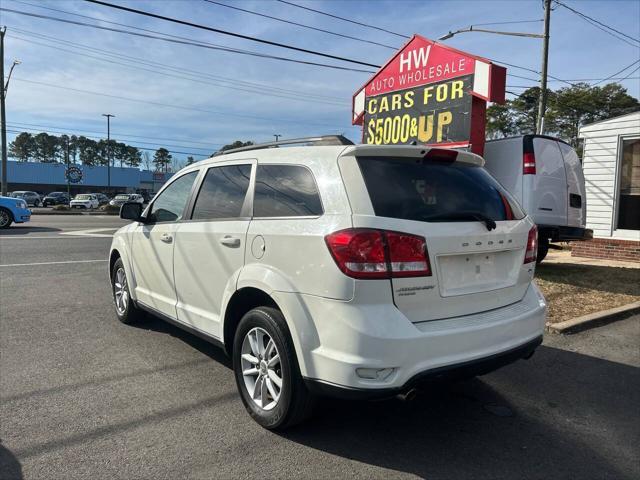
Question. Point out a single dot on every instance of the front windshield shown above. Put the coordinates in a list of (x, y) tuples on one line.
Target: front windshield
[(83, 197), (18, 194), (55, 194)]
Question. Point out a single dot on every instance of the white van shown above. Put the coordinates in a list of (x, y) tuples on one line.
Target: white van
[(545, 175)]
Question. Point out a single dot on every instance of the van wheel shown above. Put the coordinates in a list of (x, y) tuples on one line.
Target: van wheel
[(125, 309), (266, 371), (6, 219), (543, 249)]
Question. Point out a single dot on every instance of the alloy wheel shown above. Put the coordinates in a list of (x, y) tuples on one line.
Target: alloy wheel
[(120, 292), (4, 218), (261, 368)]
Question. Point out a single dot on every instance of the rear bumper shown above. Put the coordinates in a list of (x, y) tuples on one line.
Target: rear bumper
[(335, 339), (564, 234), (446, 373)]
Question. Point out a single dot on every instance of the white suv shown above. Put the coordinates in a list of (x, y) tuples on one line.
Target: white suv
[(349, 270)]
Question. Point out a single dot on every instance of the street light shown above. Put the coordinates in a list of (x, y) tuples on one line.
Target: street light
[(542, 105), (277, 135), (497, 32), (108, 115)]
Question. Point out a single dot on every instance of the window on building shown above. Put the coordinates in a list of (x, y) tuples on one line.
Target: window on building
[(285, 191), (222, 193), (629, 200)]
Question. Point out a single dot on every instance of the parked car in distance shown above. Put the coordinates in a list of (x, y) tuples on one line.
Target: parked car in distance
[(102, 198), (356, 271), (56, 198), (13, 210), (122, 198), (84, 200), (545, 175), (32, 198)]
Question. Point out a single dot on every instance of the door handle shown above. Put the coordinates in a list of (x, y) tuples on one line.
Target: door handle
[(229, 241), (166, 238)]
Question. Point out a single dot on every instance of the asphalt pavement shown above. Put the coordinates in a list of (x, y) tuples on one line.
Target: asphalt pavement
[(84, 396)]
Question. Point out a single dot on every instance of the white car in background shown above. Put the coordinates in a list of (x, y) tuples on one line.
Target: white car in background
[(87, 201), (123, 198), (347, 270)]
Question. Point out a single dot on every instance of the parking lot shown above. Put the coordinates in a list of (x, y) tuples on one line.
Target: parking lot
[(84, 396)]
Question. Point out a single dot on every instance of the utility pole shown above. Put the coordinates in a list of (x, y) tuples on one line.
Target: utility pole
[(3, 115), (108, 115), (67, 175), (542, 105), (277, 135)]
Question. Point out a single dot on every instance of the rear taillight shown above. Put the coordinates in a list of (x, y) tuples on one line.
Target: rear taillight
[(369, 254), (532, 246), (529, 163)]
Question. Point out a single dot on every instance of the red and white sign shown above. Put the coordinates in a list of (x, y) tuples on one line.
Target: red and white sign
[(423, 62)]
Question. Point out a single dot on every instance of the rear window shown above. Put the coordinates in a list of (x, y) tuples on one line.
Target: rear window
[(427, 190)]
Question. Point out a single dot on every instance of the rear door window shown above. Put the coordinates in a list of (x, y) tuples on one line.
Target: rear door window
[(427, 190), (222, 193), (285, 191)]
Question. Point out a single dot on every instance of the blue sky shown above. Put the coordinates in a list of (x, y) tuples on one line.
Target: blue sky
[(215, 111)]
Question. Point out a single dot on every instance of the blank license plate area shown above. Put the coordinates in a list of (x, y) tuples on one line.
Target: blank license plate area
[(477, 272)]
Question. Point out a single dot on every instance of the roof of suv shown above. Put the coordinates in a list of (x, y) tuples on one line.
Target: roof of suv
[(308, 154)]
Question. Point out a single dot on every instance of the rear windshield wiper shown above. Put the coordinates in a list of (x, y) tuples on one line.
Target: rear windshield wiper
[(481, 217)]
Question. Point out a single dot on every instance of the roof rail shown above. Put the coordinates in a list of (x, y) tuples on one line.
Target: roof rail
[(315, 141)]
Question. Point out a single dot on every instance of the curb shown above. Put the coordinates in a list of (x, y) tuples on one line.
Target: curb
[(593, 319)]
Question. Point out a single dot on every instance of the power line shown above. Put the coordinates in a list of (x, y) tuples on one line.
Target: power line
[(159, 72), (139, 148), (344, 19), (174, 39), (618, 72), (598, 24), (231, 34), (301, 25), (66, 131), (233, 81), (22, 124), (180, 107)]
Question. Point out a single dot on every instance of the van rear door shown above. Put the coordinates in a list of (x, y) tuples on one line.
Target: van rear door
[(546, 197), (577, 206)]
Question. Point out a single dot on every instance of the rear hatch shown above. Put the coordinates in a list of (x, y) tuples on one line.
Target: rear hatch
[(476, 235)]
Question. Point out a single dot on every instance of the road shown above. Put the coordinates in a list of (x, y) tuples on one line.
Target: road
[(84, 396)]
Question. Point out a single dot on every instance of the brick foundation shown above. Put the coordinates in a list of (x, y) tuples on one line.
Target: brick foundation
[(608, 248)]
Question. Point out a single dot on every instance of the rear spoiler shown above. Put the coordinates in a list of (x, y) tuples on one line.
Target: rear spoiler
[(413, 151)]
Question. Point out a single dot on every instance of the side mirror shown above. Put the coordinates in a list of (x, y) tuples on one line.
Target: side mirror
[(131, 211)]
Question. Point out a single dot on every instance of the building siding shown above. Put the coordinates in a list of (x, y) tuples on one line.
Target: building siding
[(599, 162)]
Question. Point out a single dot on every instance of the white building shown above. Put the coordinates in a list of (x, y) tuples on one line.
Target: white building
[(611, 163)]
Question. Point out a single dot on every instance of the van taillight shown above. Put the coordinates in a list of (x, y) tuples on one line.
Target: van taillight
[(372, 254), (529, 163), (532, 246)]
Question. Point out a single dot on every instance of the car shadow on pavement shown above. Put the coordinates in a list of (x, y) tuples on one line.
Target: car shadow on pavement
[(149, 322), (541, 418), (10, 468), (25, 229)]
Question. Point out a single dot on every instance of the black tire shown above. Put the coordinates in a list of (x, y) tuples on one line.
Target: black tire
[(129, 314), (36, 203), (295, 402), (543, 249), (6, 218)]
